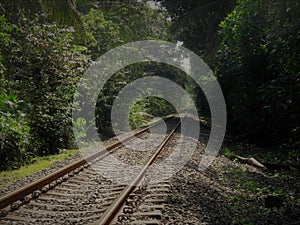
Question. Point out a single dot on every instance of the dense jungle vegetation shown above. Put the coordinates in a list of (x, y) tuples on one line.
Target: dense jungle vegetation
[(253, 47)]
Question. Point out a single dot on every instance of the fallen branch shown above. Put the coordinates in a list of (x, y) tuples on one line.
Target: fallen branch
[(250, 161)]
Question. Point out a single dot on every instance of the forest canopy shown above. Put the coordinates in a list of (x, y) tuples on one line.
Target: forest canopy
[(45, 48), (253, 47)]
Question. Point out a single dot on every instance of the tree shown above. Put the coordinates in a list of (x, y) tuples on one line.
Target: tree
[(47, 66), (257, 65), (196, 22), (107, 29), (62, 12)]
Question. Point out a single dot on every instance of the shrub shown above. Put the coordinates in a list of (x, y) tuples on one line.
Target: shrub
[(47, 66), (259, 70), (14, 129)]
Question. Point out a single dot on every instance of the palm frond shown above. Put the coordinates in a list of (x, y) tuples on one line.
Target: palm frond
[(64, 12)]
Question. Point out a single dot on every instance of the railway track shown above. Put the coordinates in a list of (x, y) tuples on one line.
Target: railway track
[(78, 194)]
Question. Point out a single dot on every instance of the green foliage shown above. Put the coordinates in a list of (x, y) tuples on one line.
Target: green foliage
[(16, 10), (258, 67), (228, 153), (138, 22), (5, 42), (248, 186), (14, 127), (62, 12), (147, 110), (110, 27), (80, 125), (38, 163), (41, 64), (102, 33), (195, 22), (46, 67), (125, 23), (53, 65), (14, 131)]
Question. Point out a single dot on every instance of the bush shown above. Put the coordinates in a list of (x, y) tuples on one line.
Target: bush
[(259, 70), (47, 67), (52, 65), (14, 129), (147, 109)]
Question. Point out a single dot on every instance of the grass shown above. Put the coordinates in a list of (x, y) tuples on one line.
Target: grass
[(249, 188), (228, 153), (40, 163)]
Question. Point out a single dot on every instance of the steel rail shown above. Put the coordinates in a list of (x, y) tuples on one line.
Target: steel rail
[(113, 210), (39, 184)]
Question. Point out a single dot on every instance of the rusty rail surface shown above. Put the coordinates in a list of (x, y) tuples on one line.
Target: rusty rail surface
[(113, 210), (39, 184)]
